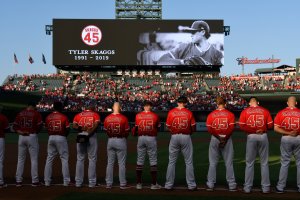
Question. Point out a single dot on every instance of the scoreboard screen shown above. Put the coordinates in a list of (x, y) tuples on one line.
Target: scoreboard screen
[(103, 42)]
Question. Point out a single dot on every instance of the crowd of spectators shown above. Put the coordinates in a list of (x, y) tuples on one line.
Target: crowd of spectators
[(78, 91)]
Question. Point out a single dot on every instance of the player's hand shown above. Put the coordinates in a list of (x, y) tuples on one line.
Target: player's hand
[(222, 144), (259, 131), (294, 133), (23, 133), (84, 128)]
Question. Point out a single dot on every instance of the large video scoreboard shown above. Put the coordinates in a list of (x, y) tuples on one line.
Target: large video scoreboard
[(139, 43)]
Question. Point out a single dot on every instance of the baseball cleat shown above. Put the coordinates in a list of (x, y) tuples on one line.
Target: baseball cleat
[(19, 184), (210, 189), (155, 187), (94, 186), (278, 191), (124, 187), (3, 185), (70, 184), (36, 184), (233, 189), (246, 191), (139, 186), (193, 189), (169, 189), (266, 191), (108, 187), (47, 184)]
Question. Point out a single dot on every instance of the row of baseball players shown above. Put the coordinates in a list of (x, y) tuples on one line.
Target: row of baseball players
[(254, 120)]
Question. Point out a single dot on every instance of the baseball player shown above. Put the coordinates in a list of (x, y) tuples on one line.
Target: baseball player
[(255, 121), (146, 125), (28, 124), (58, 128), (86, 123), (181, 123), (198, 47), (117, 129), (287, 123), (220, 124), (3, 128)]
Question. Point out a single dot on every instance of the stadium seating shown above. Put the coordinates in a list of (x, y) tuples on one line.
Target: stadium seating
[(78, 91)]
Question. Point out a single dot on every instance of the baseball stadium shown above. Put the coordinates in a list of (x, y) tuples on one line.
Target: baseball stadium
[(138, 103)]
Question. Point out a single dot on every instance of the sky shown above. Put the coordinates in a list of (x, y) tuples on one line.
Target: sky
[(259, 29)]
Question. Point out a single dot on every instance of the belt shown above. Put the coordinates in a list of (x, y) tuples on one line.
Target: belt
[(116, 137), (30, 134), (255, 133), (147, 135), (57, 135), (181, 134)]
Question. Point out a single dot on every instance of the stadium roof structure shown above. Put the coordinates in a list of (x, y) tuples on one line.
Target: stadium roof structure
[(139, 9), (279, 69), (264, 70)]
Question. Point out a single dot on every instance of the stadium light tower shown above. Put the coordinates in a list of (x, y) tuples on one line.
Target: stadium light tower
[(138, 9)]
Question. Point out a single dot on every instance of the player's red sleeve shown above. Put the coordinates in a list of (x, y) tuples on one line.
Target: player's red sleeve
[(158, 121), (136, 120), (105, 124), (208, 124), (127, 127), (193, 121), (242, 121), (277, 119), (231, 124), (97, 117), (169, 119), (270, 122), (76, 119)]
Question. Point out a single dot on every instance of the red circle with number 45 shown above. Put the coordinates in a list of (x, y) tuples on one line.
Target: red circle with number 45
[(91, 35)]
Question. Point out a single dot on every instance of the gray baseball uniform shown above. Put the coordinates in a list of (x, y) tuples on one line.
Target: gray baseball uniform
[(117, 129), (220, 124), (289, 120), (57, 126), (180, 122), (87, 119), (28, 122), (255, 120)]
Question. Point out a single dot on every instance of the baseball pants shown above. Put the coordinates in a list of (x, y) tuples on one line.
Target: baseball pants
[(31, 143), (57, 144), (257, 143), (289, 146), (116, 147), (180, 143), (2, 153), (90, 148), (147, 144), (214, 154)]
